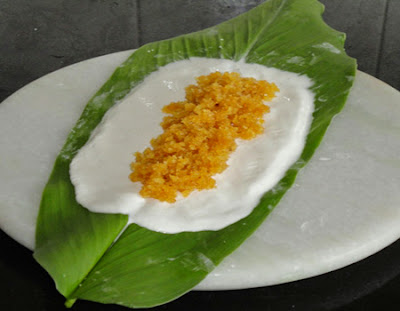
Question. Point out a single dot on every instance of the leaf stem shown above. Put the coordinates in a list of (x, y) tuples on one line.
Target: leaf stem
[(70, 302)]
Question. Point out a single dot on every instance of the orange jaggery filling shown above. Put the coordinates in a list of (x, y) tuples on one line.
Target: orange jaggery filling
[(200, 133)]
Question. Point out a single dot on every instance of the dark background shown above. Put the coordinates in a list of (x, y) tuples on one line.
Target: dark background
[(40, 36)]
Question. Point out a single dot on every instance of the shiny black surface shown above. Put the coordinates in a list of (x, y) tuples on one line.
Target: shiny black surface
[(40, 36)]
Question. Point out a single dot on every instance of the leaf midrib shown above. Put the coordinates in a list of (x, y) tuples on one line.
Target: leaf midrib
[(254, 41)]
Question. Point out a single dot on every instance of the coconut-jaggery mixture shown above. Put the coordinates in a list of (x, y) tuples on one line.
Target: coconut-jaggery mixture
[(200, 133)]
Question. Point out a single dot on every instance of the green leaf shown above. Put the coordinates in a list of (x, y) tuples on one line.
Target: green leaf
[(143, 268), (69, 238)]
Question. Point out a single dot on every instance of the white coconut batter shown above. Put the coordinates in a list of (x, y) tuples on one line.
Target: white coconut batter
[(100, 170)]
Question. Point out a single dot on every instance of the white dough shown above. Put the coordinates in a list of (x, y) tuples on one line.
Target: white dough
[(100, 170)]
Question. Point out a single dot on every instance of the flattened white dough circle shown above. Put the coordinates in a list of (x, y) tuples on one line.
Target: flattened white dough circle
[(100, 170), (344, 206)]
